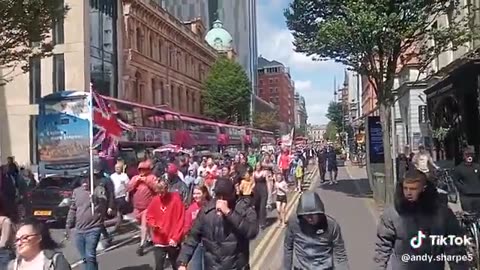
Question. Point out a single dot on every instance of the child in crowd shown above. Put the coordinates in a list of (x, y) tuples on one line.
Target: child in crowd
[(280, 190)]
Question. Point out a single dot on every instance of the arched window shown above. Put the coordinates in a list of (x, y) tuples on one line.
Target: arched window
[(139, 39)]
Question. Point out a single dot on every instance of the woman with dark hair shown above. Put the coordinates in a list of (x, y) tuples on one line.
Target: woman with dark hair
[(7, 236), (36, 249), (201, 196)]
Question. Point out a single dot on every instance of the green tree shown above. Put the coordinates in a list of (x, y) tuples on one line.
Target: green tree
[(335, 113), (25, 30), (374, 37), (226, 94), (331, 132), (300, 132), (266, 121)]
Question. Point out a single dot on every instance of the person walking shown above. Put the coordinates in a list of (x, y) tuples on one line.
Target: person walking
[(88, 226), (416, 208), (120, 182), (142, 190), (37, 250), (225, 226), (313, 240), (280, 190), (166, 216), (332, 167), (322, 164), (260, 194), (200, 198)]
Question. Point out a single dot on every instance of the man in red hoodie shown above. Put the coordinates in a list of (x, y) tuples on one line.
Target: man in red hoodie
[(142, 189), (165, 215)]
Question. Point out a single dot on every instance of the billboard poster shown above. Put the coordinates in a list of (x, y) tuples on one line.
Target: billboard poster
[(63, 130), (375, 140)]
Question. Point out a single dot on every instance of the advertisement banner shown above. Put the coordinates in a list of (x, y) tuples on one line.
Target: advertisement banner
[(375, 140)]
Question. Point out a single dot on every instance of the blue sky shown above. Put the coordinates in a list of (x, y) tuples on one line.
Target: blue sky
[(313, 79)]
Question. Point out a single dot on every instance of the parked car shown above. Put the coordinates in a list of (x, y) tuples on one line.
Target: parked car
[(50, 199)]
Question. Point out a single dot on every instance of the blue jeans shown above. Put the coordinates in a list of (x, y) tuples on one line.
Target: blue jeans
[(197, 261), (86, 242), (6, 256)]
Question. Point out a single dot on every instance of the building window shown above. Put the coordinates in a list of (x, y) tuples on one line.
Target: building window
[(151, 46), (154, 96), (58, 32), (162, 93), (136, 87), (270, 81), (58, 73), (139, 40), (103, 46), (160, 51), (35, 79), (172, 96), (171, 51)]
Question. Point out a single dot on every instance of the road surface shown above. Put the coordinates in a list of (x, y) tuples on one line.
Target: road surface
[(122, 255), (350, 203)]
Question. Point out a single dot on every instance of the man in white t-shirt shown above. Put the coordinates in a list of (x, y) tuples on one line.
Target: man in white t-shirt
[(120, 181)]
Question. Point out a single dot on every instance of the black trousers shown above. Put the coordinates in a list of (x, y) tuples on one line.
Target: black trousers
[(261, 196), (160, 253), (322, 169)]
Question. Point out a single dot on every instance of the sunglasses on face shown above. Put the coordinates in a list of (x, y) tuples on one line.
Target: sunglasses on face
[(25, 238)]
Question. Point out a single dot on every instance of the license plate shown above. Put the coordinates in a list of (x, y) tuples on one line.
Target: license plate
[(42, 213)]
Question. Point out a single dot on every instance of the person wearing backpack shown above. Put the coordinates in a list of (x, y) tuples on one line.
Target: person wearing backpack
[(88, 226), (36, 249)]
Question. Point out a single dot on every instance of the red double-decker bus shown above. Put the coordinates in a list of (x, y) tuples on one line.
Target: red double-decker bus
[(156, 126)]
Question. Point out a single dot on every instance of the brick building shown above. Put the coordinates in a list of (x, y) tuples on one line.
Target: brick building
[(166, 60), (276, 85)]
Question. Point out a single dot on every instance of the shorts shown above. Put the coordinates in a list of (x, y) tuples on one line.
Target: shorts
[(333, 168), (282, 198)]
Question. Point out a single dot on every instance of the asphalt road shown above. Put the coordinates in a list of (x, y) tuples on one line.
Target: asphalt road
[(122, 255), (350, 203)]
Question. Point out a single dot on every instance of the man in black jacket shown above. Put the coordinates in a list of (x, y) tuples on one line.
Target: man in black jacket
[(466, 178), (225, 226)]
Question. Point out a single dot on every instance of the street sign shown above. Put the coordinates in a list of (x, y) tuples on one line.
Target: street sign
[(422, 114)]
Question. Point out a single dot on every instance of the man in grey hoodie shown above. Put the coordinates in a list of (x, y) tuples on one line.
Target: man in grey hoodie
[(88, 226), (311, 227)]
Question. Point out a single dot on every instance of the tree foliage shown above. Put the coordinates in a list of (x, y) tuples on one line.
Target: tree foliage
[(300, 131), (266, 121), (373, 37), (331, 132), (227, 91), (335, 113), (25, 30)]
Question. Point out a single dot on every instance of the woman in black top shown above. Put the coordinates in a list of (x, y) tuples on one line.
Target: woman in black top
[(260, 194)]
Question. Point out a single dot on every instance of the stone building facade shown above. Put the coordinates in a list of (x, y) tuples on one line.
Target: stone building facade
[(165, 60)]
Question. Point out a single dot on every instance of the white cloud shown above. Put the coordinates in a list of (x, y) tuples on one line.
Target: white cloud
[(277, 43), (316, 100)]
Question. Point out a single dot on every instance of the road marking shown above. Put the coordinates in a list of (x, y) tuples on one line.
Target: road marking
[(112, 247), (369, 203), (271, 241), (272, 230)]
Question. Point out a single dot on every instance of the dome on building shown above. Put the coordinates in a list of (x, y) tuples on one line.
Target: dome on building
[(219, 38)]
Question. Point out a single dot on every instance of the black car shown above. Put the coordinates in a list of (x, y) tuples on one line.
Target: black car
[(50, 199)]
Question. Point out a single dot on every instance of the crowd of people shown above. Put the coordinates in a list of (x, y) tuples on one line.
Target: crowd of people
[(202, 212), (186, 206)]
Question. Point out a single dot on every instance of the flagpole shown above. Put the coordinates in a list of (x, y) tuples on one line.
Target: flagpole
[(92, 188)]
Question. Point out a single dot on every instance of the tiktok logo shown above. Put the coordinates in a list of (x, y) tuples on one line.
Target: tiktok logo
[(417, 241)]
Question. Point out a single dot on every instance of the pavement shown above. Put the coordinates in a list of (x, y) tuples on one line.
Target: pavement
[(351, 203), (122, 254)]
